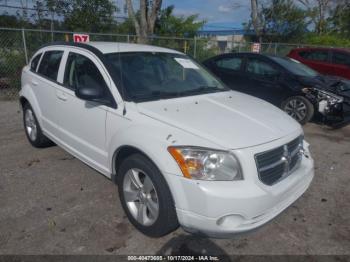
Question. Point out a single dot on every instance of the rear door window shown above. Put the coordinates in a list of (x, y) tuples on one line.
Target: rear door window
[(316, 55), (230, 63), (35, 62), (341, 58), (50, 64)]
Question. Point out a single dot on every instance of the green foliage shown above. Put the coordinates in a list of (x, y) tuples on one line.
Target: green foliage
[(9, 21), (89, 16), (127, 27), (11, 63), (168, 24), (327, 40), (284, 21), (339, 21), (206, 50)]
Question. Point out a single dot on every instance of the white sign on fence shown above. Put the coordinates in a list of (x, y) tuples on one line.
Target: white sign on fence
[(256, 48), (81, 38)]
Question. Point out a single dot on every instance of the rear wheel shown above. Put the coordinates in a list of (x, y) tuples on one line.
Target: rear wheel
[(299, 108), (145, 197), (32, 128)]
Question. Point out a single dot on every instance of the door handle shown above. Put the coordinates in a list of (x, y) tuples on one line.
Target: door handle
[(34, 83)]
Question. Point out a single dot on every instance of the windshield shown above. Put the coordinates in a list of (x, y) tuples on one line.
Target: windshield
[(150, 76), (295, 67)]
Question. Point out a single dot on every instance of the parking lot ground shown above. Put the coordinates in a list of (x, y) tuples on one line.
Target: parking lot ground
[(52, 203)]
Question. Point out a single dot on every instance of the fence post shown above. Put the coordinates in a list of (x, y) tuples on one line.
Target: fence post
[(24, 46), (276, 48), (195, 47)]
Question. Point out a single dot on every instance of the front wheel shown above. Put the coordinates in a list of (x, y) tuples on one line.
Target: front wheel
[(145, 197), (300, 108)]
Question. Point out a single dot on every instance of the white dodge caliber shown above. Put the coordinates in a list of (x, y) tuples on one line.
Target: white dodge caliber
[(182, 148)]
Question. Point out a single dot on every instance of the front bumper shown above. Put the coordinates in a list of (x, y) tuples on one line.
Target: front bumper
[(340, 116), (225, 208)]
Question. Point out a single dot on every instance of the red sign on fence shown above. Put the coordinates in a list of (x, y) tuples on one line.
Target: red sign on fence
[(81, 38)]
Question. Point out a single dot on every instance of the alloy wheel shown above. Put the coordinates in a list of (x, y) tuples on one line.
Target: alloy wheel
[(30, 124), (296, 108), (141, 197)]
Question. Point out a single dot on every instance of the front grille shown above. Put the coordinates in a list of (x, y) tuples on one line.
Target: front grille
[(274, 165)]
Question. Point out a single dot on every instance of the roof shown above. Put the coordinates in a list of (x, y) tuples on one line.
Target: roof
[(116, 47), (242, 54)]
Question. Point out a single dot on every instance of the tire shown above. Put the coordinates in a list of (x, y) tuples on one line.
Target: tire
[(300, 108), (141, 209), (32, 128)]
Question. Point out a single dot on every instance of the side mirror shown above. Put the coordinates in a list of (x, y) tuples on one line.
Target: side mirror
[(92, 93)]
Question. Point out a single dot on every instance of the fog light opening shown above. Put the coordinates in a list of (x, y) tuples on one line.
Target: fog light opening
[(230, 221)]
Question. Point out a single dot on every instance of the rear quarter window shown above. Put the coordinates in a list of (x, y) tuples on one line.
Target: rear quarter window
[(35, 62), (50, 64)]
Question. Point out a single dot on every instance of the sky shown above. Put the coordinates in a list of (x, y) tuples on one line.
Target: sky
[(219, 14)]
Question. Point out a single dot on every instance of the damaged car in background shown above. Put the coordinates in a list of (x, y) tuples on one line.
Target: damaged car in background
[(297, 89), (332, 100)]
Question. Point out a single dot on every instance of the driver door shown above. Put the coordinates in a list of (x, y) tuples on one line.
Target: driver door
[(82, 123), (264, 81)]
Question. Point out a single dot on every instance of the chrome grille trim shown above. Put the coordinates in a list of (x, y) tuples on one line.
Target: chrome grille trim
[(276, 164)]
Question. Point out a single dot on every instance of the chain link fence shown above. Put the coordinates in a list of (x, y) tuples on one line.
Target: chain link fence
[(18, 45)]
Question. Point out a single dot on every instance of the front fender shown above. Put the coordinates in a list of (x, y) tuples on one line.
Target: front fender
[(153, 145), (153, 139)]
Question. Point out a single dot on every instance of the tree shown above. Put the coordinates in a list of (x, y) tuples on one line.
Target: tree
[(39, 14), (256, 19), (88, 16), (144, 21), (126, 27), (168, 24), (317, 12), (339, 19), (11, 21), (284, 21)]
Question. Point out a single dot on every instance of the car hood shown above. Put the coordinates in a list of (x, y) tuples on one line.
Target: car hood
[(230, 119)]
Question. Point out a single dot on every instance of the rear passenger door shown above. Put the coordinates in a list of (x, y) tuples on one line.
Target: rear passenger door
[(43, 84), (82, 123)]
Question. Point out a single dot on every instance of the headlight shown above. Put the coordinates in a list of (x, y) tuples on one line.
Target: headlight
[(206, 164)]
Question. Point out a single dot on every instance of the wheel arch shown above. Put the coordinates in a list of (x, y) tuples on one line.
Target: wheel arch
[(23, 101), (28, 96), (124, 152)]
